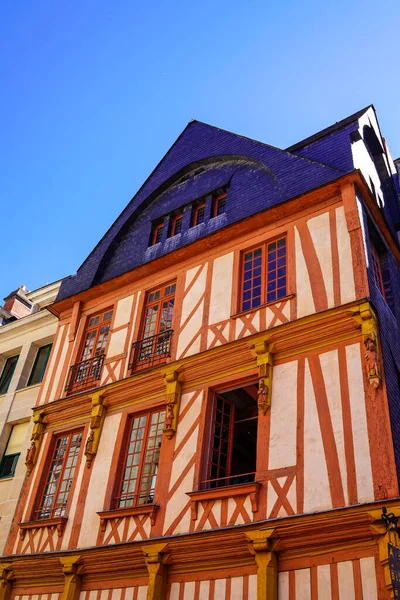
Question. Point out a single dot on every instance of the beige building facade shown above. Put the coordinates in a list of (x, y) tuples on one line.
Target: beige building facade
[(26, 335)]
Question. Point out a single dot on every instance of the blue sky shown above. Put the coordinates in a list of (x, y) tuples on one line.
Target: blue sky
[(93, 94)]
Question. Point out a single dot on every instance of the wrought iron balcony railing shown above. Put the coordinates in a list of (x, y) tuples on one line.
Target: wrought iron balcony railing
[(84, 374), (151, 351)]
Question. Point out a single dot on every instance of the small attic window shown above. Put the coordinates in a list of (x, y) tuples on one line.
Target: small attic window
[(156, 234), (176, 225), (219, 204)]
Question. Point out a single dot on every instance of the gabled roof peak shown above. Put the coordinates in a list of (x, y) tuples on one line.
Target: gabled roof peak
[(328, 130)]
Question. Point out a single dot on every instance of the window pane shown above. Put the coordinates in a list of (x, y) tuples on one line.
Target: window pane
[(7, 373), (145, 457), (276, 270), (39, 367), (60, 476), (251, 284)]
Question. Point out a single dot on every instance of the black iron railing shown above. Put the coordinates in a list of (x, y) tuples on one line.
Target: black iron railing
[(85, 374), (151, 351), (209, 484)]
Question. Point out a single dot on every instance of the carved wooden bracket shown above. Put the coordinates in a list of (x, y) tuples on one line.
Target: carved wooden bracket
[(260, 545), (156, 559), (72, 570), (96, 425), (172, 401), (6, 576), (262, 350), (36, 440), (365, 318)]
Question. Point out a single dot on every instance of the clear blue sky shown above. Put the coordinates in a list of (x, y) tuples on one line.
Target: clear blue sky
[(93, 94)]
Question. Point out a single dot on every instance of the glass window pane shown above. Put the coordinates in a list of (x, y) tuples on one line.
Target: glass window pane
[(40, 364)]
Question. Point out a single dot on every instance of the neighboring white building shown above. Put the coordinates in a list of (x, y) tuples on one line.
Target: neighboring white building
[(27, 331)]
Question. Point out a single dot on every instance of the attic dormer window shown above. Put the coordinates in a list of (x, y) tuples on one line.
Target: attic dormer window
[(176, 225), (219, 205), (156, 234)]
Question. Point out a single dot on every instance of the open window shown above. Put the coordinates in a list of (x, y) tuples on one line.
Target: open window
[(231, 450), (15, 446)]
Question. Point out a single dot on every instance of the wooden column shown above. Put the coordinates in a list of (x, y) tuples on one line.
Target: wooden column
[(73, 580), (267, 568), (5, 581), (155, 561)]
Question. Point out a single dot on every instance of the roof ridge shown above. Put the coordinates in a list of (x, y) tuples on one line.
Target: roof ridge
[(328, 130), (284, 150)]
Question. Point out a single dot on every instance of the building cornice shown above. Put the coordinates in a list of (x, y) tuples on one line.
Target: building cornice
[(26, 325)]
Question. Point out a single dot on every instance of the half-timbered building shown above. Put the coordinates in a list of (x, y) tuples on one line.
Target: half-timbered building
[(220, 414)]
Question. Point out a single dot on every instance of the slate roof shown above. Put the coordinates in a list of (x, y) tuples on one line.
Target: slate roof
[(301, 168)]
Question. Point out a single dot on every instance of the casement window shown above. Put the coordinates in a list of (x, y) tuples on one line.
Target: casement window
[(140, 460), (156, 234), (96, 335), (176, 225), (7, 373), (264, 274), (377, 270), (87, 370), (231, 445), (219, 205), (199, 214), (39, 367), (154, 344), (61, 471), (14, 447)]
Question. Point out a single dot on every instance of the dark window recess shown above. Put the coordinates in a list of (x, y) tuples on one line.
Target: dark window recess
[(387, 284), (8, 464), (376, 269), (7, 373), (232, 453), (40, 364)]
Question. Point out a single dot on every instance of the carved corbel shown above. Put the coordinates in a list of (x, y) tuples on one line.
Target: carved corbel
[(155, 561), (260, 545), (96, 425), (72, 577), (264, 358), (366, 320), (6, 575), (388, 541), (172, 401), (36, 439)]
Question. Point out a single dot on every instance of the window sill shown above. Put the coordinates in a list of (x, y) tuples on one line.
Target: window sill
[(131, 511), (251, 310), (7, 477), (58, 522), (230, 491)]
